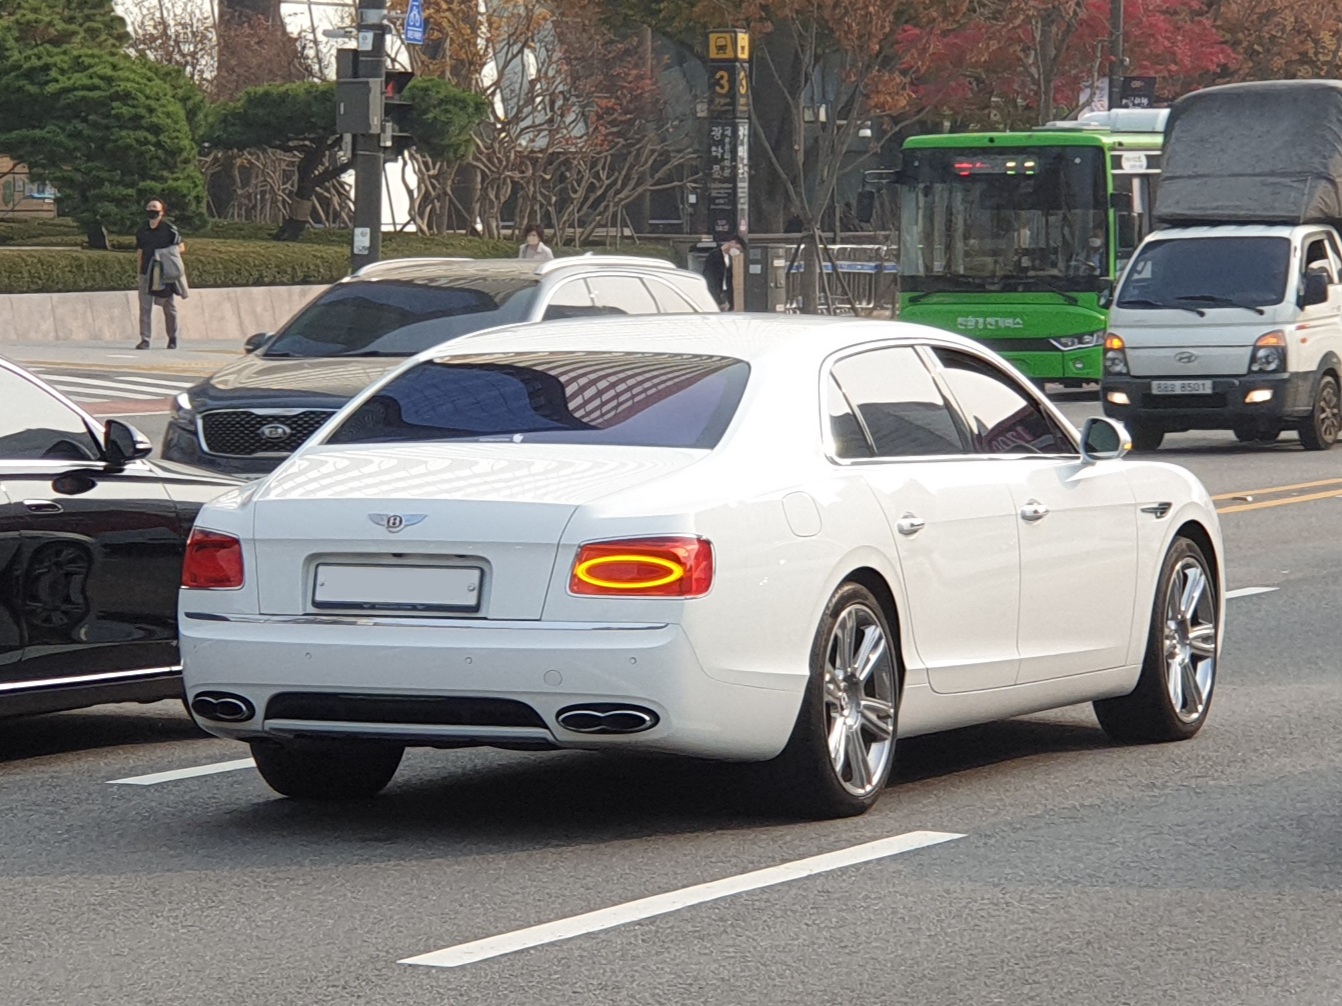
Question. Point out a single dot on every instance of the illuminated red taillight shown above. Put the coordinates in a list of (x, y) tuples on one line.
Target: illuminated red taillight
[(213, 561), (643, 567)]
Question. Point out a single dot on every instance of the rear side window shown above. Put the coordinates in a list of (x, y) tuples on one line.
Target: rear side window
[(622, 295), (401, 318), (628, 399), (897, 404), (668, 300)]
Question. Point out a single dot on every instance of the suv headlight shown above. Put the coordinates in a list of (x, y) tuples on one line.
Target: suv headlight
[(1269, 354), (1087, 341), (1115, 356), (182, 408)]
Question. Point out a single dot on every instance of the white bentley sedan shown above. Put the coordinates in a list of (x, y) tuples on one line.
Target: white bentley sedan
[(740, 537)]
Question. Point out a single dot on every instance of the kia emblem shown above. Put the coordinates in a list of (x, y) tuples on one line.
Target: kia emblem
[(276, 431)]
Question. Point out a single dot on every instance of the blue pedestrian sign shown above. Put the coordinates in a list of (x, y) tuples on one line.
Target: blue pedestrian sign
[(414, 23)]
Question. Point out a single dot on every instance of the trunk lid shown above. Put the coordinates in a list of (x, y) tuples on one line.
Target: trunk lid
[(497, 508)]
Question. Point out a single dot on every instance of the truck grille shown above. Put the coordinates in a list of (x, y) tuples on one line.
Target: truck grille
[(240, 433)]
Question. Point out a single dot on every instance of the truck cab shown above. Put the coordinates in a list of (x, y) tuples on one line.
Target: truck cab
[(1228, 327)]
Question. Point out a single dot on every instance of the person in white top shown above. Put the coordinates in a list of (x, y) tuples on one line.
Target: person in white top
[(535, 246)]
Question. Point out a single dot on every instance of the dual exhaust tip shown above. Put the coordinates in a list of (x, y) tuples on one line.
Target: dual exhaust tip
[(222, 707), (606, 718)]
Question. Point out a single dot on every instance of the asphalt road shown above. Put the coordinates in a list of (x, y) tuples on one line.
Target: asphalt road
[(1200, 873)]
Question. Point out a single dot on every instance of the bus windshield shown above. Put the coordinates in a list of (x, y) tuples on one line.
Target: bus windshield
[(1003, 218)]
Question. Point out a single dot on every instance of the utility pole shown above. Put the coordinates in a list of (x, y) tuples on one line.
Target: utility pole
[(371, 64), (1115, 52)]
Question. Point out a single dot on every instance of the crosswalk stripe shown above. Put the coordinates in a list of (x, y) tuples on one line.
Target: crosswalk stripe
[(105, 393), (125, 382)]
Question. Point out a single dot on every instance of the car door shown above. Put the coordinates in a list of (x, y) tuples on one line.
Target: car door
[(953, 523), (1077, 523), (93, 579), (1319, 329)]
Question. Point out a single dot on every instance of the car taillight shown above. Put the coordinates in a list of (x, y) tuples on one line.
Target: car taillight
[(213, 561), (643, 567)]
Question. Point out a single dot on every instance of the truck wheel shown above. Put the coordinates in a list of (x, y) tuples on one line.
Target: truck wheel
[(1319, 431), (1145, 437)]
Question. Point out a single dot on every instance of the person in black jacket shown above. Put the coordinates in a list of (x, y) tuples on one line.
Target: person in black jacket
[(718, 271), (155, 234)]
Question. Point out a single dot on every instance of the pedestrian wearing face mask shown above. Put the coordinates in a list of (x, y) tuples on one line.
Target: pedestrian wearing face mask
[(157, 235), (535, 246)]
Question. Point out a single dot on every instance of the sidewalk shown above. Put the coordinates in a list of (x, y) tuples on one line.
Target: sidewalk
[(191, 358)]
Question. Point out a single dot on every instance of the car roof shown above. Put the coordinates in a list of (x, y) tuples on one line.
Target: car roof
[(427, 269), (749, 337)]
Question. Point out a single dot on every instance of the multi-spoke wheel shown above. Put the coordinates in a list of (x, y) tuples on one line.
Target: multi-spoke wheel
[(1320, 431), (1174, 691), (843, 745)]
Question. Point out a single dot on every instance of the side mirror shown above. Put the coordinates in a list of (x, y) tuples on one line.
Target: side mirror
[(1103, 440), (123, 444), (1314, 290), (257, 341), (1106, 292)]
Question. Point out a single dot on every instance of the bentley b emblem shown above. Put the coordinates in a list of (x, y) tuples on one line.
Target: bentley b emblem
[(394, 522), (276, 431)]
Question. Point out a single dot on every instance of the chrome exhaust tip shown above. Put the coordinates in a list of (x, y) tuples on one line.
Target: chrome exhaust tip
[(222, 707), (606, 718)]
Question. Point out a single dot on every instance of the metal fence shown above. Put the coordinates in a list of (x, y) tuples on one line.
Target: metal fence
[(867, 280)]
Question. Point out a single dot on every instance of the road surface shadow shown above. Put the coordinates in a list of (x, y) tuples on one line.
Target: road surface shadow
[(90, 729)]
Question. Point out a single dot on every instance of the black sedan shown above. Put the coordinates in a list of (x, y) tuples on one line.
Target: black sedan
[(91, 541)]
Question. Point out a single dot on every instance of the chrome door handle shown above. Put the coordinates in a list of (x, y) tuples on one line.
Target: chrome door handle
[(43, 506), (909, 524), (1033, 511)]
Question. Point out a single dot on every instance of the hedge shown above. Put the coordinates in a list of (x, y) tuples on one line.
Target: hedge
[(212, 262)]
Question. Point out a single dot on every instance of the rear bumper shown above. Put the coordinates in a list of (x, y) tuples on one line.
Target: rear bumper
[(1223, 409), (547, 666)]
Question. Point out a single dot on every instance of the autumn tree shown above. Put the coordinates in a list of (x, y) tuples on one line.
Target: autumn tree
[(1279, 39)]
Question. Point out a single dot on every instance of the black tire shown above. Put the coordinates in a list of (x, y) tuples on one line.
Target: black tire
[(1256, 434), (349, 770), (1145, 437), (808, 781), (1149, 714), (1320, 429)]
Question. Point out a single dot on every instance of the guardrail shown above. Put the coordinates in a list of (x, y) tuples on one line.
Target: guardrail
[(867, 280)]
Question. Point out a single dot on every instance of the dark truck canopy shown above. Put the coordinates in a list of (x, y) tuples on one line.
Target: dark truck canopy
[(1267, 152)]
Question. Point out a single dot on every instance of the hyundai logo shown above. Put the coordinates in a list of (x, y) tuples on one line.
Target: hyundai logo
[(394, 522), (276, 431), (1185, 357)]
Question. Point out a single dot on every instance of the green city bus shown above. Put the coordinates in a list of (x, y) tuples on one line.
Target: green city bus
[(1016, 239)]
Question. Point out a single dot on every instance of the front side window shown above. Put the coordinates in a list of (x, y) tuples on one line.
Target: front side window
[(668, 300), (401, 317), (35, 426), (1003, 418), (626, 399), (1198, 273), (570, 300), (996, 218), (897, 404)]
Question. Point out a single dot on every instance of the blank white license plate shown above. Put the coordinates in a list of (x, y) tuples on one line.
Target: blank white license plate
[(398, 588), (1181, 387)]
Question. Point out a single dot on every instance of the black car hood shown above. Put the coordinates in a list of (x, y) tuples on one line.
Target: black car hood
[(325, 382)]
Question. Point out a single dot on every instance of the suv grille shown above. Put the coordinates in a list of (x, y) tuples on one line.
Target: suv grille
[(239, 433)]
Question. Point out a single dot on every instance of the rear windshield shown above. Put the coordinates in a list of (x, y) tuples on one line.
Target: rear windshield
[(1202, 273), (628, 399), (400, 318)]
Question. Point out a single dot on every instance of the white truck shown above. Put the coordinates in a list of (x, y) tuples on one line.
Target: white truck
[(1229, 316)]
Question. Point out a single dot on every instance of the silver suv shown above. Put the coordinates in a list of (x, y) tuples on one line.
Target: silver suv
[(254, 413)]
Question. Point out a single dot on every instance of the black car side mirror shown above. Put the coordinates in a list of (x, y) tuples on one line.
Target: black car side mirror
[(123, 444), (257, 341), (1314, 290)]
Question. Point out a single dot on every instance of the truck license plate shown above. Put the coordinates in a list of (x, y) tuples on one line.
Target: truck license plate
[(1181, 387)]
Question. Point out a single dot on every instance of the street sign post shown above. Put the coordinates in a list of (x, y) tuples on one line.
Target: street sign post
[(728, 133), (1137, 92), (414, 23)]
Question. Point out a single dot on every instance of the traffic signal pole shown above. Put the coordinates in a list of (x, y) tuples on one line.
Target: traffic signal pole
[(368, 161)]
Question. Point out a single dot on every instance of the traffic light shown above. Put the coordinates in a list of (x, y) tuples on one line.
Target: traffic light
[(396, 138)]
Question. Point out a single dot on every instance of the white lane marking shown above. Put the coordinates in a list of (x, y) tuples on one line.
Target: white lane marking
[(117, 382), (137, 395), (661, 904), (1249, 591), (183, 773)]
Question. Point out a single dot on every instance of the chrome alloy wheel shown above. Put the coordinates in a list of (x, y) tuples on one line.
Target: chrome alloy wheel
[(1189, 640), (859, 700)]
